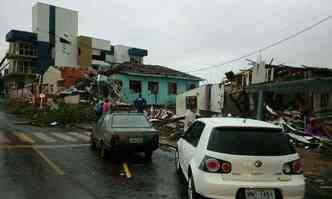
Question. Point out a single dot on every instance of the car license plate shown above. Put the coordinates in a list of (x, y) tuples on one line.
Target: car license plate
[(259, 194), (136, 140)]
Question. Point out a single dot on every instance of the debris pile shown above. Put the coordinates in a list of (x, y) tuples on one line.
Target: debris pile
[(166, 122), (312, 132)]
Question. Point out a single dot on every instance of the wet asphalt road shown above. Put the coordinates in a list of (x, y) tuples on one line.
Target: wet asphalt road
[(56, 163), (54, 166)]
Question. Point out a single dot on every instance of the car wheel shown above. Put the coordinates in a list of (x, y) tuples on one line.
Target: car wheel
[(102, 152), (191, 191), (177, 163), (148, 155)]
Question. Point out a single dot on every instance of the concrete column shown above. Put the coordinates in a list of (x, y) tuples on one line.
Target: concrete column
[(260, 106)]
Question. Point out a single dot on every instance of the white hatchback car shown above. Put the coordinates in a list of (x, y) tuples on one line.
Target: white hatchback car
[(239, 158)]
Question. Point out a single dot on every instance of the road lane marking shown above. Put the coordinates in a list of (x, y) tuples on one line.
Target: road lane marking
[(49, 162), (126, 170), (23, 137), (80, 136), (44, 137), (4, 140), (43, 146), (65, 137)]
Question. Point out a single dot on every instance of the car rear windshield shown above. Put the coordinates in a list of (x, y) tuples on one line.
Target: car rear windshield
[(130, 121), (252, 142)]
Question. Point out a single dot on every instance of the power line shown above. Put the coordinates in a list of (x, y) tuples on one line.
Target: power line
[(264, 48)]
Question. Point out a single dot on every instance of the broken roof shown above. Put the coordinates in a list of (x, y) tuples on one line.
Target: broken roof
[(70, 75), (153, 70), (317, 85)]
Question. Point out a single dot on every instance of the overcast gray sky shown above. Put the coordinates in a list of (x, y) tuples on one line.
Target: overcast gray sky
[(188, 35)]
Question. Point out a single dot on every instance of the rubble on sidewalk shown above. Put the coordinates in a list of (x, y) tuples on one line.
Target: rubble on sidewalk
[(313, 134)]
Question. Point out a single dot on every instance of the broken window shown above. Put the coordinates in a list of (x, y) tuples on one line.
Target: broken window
[(172, 88), (63, 40), (153, 87), (135, 86), (191, 102)]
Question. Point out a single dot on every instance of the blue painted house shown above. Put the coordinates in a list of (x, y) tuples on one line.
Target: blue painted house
[(159, 85)]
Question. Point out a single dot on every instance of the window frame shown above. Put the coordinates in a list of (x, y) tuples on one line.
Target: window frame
[(135, 90), (171, 90), (151, 85)]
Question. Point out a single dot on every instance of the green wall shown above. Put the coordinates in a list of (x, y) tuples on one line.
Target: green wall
[(163, 97)]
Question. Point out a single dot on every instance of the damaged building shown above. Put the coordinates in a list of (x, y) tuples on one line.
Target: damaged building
[(159, 85)]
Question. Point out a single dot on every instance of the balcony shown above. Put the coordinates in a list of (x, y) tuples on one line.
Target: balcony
[(22, 50)]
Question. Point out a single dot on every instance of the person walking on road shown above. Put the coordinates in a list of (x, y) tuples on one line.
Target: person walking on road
[(140, 103)]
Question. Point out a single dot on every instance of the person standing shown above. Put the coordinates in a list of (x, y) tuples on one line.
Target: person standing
[(140, 103), (106, 106), (99, 109), (189, 118)]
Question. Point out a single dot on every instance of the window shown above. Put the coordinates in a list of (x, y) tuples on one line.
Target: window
[(130, 121), (26, 49), (172, 88), (250, 141), (153, 87), (191, 102), (136, 60), (26, 67), (135, 86), (193, 134), (63, 40)]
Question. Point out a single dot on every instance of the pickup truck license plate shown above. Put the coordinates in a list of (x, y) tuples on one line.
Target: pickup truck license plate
[(259, 194), (136, 140)]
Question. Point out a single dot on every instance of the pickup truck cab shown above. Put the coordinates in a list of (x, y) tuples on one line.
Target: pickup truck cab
[(129, 132)]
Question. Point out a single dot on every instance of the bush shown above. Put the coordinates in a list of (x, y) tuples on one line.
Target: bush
[(66, 114)]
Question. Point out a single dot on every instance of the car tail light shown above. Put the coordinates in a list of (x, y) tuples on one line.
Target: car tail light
[(226, 167), (293, 168), (214, 165)]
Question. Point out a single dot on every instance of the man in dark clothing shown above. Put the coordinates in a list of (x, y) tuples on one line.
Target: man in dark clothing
[(140, 103)]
